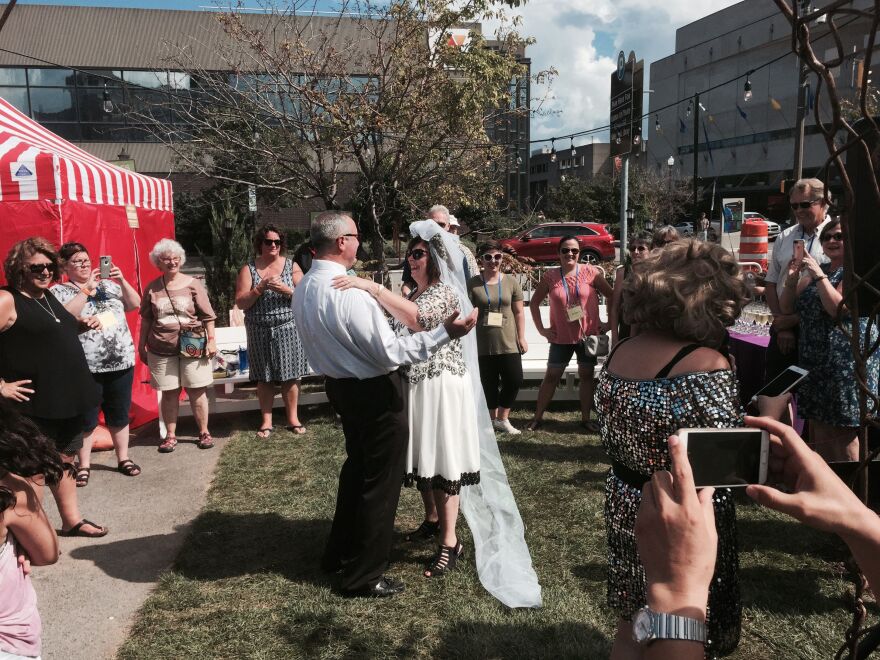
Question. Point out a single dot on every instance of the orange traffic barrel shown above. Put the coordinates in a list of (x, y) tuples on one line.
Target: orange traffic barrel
[(753, 242)]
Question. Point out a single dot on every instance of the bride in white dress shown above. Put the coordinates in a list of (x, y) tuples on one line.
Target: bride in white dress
[(452, 450)]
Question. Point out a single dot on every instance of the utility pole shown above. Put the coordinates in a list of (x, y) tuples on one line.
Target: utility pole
[(624, 204), (696, 153)]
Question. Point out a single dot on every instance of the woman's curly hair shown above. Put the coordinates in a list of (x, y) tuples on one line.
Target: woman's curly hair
[(13, 265), (25, 452), (691, 289)]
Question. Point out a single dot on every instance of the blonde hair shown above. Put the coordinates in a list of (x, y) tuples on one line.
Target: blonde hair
[(13, 265), (691, 289)]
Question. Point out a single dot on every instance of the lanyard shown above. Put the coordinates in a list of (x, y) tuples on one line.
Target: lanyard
[(804, 238), (488, 297), (577, 293)]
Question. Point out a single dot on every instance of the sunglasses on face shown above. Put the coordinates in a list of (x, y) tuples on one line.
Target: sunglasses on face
[(491, 257), (832, 237), (37, 269), (804, 205), (417, 254), (569, 250), (269, 242)]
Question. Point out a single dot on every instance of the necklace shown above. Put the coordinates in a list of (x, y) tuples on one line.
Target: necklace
[(47, 308)]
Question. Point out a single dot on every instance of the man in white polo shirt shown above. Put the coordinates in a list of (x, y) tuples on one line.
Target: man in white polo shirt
[(347, 338), (809, 207)]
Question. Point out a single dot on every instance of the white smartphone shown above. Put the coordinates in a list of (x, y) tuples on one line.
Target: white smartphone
[(783, 383), (727, 458), (106, 265)]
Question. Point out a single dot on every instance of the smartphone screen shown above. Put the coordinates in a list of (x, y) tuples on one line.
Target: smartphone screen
[(799, 249), (783, 382), (106, 263), (725, 458)]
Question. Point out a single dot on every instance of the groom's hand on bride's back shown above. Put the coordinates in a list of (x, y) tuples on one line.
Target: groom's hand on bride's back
[(457, 327)]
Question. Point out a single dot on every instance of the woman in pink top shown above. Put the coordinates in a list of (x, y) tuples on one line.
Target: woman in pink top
[(574, 290), (28, 463)]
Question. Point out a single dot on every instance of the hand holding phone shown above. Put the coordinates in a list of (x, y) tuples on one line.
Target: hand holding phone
[(783, 383), (799, 250), (106, 266), (726, 458)]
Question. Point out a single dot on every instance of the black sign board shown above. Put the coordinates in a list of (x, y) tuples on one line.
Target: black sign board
[(627, 84)]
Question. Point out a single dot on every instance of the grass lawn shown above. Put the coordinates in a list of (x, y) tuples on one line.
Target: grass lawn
[(247, 583)]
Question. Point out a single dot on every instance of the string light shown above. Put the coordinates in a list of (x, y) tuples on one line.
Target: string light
[(108, 104), (573, 150), (553, 150), (637, 137), (690, 108), (747, 89), (657, 123)]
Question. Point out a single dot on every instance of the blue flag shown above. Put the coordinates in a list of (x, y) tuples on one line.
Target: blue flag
[(681, 127), (742, 113), (708, 144)]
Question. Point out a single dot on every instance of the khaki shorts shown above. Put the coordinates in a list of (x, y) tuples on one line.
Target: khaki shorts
[(170, 372)]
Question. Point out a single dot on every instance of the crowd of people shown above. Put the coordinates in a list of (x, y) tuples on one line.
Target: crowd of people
[(423, 381)]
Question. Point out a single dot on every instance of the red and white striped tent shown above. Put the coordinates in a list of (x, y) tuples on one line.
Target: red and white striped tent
[(50, 188)]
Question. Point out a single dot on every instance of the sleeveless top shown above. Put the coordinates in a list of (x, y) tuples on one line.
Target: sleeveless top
[(49, 353), (272, 308), (20, 625)]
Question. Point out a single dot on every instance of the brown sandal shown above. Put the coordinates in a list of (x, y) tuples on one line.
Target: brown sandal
[(205, 441)]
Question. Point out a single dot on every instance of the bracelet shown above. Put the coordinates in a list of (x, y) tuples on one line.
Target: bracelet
[(821, 277), (86, 292), (256, 290)]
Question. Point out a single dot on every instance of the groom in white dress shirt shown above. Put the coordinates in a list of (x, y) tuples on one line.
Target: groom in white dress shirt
[(347, 338)]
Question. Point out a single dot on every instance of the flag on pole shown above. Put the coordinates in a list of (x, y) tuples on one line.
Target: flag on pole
[(742, 113), (681, 127)]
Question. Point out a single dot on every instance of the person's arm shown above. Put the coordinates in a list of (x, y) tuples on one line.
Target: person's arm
[(519, 316), (538, 296), (370, 330), (601, 285), (405, 311), (828, 295), (146, 314), (816, 496), (75, 304), (246, 294), (206, 315), (131, 299), (786, 300), (28, 522), (7, 311), (677, 542), (296, 274)]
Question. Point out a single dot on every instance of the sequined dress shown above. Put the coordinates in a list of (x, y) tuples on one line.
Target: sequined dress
[(443, 451), (636, 417)]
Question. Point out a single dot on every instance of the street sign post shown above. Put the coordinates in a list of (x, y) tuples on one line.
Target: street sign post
[(627, 84)]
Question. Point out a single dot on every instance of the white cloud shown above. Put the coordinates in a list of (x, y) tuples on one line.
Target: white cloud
[(581, 40)]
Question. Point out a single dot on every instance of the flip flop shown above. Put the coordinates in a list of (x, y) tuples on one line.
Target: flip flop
[(295, 428), (76, 530), (267, 430)]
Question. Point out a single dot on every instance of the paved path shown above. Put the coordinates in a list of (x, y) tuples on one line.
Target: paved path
[(88, 599)]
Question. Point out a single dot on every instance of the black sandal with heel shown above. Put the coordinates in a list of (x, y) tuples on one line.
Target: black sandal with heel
[(427, 530), (445, 560)]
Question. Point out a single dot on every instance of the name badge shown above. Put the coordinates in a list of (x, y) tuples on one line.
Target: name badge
[(107, 319), (575, 313), (494, 319)]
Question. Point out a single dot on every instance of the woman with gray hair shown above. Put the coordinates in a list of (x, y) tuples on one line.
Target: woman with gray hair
[(174, 307)]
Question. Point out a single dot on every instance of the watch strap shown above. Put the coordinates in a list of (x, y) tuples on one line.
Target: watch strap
[(672, 626)]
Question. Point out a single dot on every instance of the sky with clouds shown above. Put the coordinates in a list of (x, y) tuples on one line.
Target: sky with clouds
[(580, 38)]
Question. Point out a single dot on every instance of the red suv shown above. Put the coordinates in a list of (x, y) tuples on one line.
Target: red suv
[(541, 243)]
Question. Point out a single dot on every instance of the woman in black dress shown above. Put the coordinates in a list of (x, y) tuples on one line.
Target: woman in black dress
[(43, 369)]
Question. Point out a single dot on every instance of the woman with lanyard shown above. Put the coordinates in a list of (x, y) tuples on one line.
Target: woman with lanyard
[(573, 290), (501, 335)]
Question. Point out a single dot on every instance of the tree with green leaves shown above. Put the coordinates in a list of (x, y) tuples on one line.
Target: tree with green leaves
[(381, 104)]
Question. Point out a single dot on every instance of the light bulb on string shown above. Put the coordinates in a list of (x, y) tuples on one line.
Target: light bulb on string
[(637, 137), (747, 90), (573, 150), (519, 160), (553, 150), (657, 123), (616, 137), (108, 104), (687, 113)]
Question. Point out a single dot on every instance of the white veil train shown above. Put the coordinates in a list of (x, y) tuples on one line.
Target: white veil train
[(502, 557)]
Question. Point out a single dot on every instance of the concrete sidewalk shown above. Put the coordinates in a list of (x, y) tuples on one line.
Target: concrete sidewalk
[(88, 599)]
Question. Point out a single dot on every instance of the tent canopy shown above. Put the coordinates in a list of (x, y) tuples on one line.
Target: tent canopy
[(36, 164)]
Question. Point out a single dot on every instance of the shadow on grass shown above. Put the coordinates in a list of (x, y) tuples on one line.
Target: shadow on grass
[(597, 573), (537, 450), (467, 639), (788, 536), (587, 478), (792, 591)]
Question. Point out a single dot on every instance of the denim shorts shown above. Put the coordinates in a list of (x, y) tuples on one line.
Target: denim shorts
[(115, 389), (560, 356)]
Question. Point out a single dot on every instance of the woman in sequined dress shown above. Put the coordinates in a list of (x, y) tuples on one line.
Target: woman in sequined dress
[(670, 376)]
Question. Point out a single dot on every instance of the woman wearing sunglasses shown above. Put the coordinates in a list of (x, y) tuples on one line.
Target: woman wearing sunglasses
[(639, 247), (501, 334), (43, 370), (573, 290), (109, 351), (828, 396), (264, 290)]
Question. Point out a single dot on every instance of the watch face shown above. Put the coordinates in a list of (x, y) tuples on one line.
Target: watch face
[(642, 626)]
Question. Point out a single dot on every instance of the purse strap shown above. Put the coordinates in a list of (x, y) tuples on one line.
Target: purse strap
[(171, 300)]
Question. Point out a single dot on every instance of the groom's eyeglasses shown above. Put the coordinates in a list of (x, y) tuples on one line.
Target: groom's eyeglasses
[(416, 254)]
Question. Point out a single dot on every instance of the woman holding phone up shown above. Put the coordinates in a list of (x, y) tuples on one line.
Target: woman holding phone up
[(669, 376)]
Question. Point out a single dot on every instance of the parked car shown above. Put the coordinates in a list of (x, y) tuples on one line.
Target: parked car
[(773, 228), (541, 243), (684, 229)]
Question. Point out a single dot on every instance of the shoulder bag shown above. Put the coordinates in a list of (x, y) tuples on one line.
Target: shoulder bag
[(192, 342)]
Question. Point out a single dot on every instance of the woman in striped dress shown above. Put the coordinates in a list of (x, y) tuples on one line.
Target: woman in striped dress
[(264, 289)]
